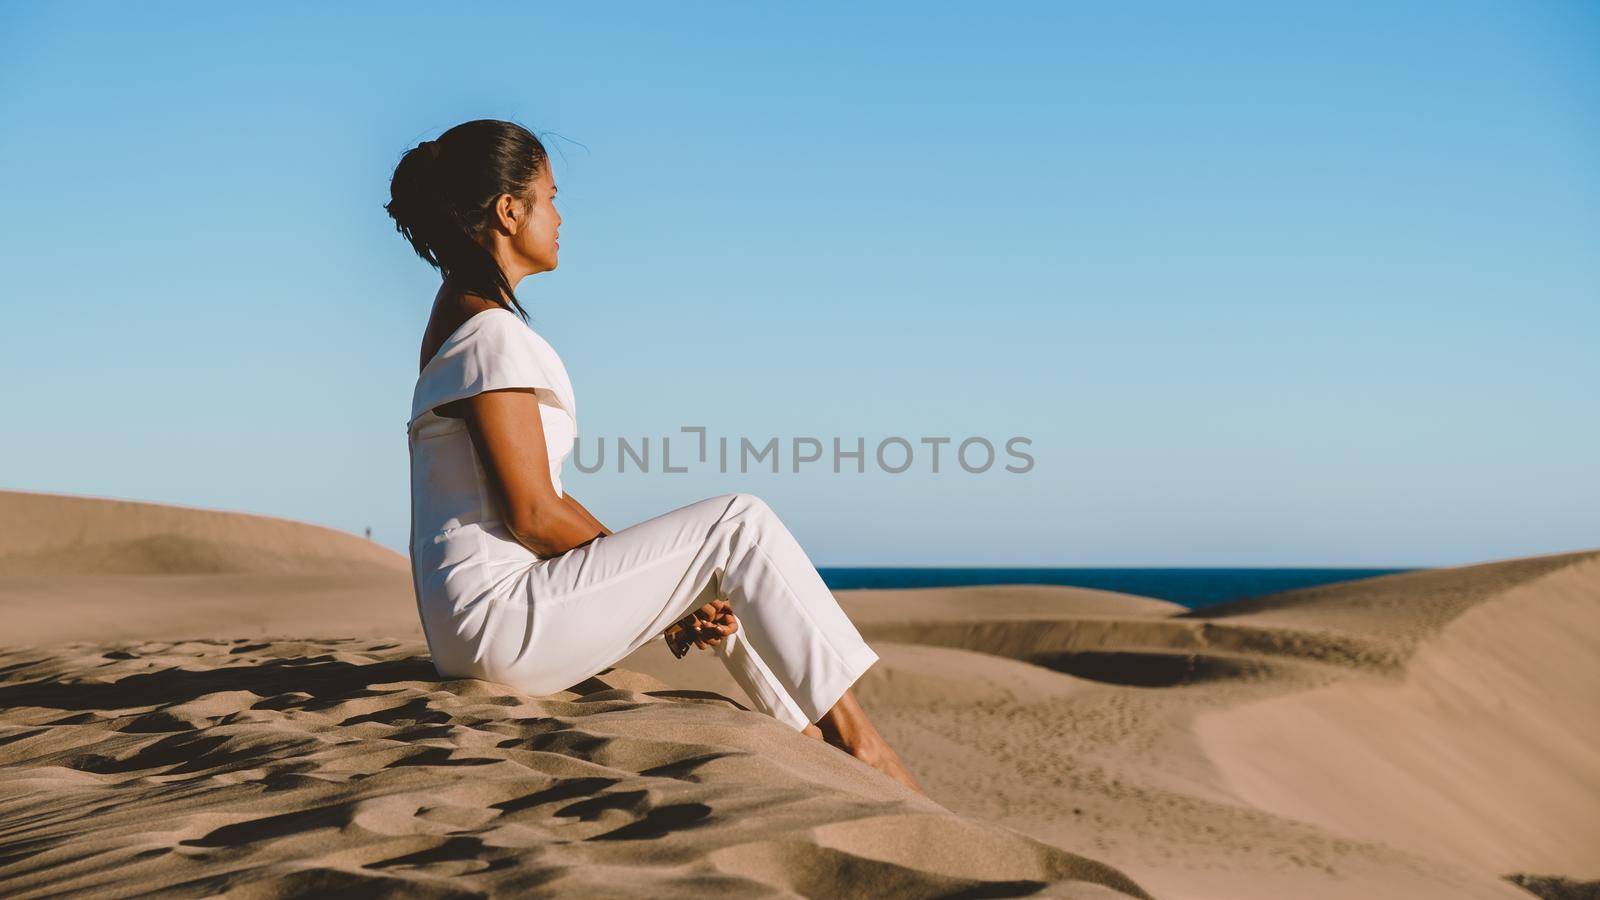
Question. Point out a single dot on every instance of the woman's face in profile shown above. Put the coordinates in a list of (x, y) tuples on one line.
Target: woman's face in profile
[(536, 241)]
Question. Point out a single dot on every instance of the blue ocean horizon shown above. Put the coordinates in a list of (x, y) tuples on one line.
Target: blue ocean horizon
[(1196, 588)]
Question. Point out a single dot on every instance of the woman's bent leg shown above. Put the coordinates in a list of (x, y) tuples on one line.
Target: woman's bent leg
[(792, 625), (795, 654)]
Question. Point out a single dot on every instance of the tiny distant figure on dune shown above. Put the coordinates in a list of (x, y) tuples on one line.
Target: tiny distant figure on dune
[(516, 581)]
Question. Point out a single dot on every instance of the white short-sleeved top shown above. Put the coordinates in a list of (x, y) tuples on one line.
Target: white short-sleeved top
[(460, 547)]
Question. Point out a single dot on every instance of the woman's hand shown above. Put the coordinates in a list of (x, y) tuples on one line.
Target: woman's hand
[(716, 621), (702, 628)]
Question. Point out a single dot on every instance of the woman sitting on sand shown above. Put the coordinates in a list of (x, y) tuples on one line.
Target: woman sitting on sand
[(516, 581)]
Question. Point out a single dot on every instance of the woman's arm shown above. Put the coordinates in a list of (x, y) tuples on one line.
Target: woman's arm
[(508, 435), (588, 515)]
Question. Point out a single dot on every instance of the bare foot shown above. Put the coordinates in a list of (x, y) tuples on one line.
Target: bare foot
[(882, 757), (813, 731), (847, 727)]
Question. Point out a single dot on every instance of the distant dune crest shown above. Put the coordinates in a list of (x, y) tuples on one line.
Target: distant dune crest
[(54, 534)]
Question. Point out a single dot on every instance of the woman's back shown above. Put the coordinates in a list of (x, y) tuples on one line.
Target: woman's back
[(460, 546)]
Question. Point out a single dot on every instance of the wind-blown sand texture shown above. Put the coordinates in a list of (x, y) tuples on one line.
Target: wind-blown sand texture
[(202, 703)]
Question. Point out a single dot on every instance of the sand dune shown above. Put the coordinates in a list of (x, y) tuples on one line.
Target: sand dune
[(284, 767), (185, 716), (54, 534), (1486, 751), (81, 568), (1197, 753)]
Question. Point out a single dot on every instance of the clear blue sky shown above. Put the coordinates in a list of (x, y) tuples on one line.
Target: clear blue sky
[(1263, 285)]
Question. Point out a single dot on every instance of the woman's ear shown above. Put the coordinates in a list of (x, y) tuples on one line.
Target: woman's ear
[(510, 213)]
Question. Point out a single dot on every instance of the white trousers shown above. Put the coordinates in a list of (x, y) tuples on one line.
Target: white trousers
[(574, 615)]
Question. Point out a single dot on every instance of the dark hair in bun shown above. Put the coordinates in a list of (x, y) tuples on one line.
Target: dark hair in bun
[(442, 195)]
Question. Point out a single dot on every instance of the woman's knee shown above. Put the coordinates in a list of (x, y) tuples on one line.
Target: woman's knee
[(751, 505)]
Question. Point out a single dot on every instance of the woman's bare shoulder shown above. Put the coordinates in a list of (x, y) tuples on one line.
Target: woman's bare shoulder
[(449, 314)]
